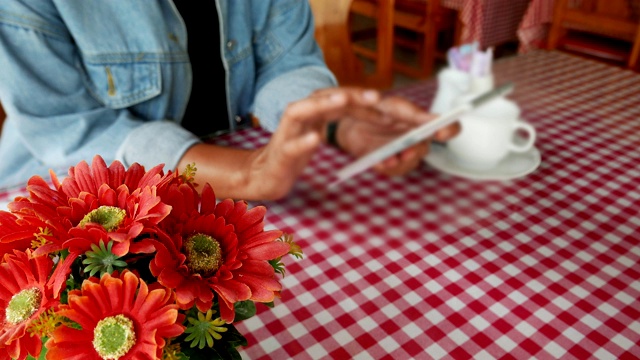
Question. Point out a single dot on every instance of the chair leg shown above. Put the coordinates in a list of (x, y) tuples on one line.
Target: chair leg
[(384, 61), (635, 52), (429, 50), (556, 32)]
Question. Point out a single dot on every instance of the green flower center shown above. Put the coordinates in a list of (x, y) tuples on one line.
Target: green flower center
[(110, 217), (22, 305), (114, 336), (204, 255)]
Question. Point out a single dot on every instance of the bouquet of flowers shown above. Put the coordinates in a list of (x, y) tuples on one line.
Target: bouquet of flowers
[(115, 263)]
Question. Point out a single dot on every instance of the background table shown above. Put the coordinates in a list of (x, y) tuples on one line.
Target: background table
[(534, 27), (431, 266), (490, 22)]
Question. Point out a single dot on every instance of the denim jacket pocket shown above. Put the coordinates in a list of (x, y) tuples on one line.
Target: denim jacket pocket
[(119, 83)]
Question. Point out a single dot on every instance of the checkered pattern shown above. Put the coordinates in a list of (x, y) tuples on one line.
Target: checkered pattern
[(490, 22), (8, 194), (431, 266), (534, 28)]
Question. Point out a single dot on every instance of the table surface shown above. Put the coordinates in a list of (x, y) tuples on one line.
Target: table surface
[(431, 266)]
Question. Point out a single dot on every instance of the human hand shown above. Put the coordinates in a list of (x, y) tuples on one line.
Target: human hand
[(301, 128), (365, 131), (367, 121), (269, 172)]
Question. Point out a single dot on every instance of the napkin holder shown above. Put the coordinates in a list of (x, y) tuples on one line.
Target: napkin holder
[(454, 84)]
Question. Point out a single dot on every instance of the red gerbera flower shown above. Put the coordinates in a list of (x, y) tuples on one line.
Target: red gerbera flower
[(120, 319), (19, 231), (14, 235), (222, 249), (123, 202), (34, 221), (26, 291)]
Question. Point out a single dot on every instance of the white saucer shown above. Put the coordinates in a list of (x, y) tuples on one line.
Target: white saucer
[(515, 165)]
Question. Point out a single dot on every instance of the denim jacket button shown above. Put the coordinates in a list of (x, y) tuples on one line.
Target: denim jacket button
[(238, 118), (230, 44)]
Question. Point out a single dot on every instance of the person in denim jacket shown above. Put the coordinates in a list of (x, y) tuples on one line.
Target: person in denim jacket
[(86, 77)]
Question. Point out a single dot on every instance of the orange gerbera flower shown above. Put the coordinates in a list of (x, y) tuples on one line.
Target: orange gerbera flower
[(221, 249), (26, 291), (120, 319)]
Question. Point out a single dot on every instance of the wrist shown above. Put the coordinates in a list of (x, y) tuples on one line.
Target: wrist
[(252, 179)]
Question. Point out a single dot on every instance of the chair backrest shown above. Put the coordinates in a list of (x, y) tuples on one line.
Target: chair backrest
[(332, 34), (617, 19), (616, 9), (611, 17), (409, 24)]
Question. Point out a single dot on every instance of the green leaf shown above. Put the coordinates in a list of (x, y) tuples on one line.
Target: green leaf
[(244, 310), (233, 337), (269, 304)]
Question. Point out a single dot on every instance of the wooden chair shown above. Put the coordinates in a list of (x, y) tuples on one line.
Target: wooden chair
[(604, 29), (417, 25), (332, 33)]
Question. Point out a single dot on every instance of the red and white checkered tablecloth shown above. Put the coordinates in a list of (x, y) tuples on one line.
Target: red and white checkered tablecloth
[(490, 22), (431, 266), (8, 194), (534, 28)]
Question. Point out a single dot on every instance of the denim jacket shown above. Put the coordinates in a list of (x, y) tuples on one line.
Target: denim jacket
[(86, 77)]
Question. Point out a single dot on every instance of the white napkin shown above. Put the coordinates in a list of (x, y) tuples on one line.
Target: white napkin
[(468, 73)]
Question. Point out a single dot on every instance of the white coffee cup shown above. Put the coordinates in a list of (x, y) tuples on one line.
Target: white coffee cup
[(489, 133)]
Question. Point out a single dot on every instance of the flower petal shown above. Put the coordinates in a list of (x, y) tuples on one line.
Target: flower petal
[(268, 251)]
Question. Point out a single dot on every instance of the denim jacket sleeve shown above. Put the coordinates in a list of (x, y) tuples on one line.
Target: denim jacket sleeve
[(74, 84), (273, 54)]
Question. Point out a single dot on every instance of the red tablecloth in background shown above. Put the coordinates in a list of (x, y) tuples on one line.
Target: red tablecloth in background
[(490, 22), (534, 28), (8, 194)]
